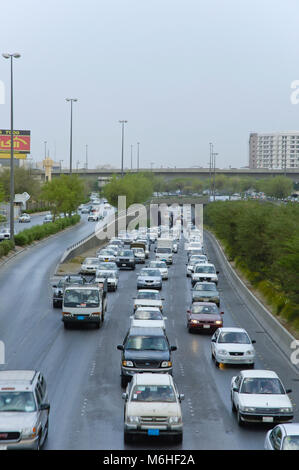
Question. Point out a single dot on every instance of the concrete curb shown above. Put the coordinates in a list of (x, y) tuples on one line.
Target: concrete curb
[(278, 333)]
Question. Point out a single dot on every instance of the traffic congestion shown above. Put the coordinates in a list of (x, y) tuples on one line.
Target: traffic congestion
[(151, 355)]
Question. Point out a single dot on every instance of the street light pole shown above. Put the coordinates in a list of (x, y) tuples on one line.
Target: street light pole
[(71, 133), (131, 157), (214, 182), (211, 153), (12, 186), (86, 159), (122, 145), (138, 156)]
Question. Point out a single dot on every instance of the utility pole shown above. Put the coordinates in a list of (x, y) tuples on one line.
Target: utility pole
[(71, 133), (138, 143), (123, 122)]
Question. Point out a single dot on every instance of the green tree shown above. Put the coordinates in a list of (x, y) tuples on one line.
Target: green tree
[(64, 193)]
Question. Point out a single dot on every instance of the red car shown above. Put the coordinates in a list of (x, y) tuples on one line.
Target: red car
[(204, 316)]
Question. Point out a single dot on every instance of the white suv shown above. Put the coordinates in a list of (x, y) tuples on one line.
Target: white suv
[(152, 407), (24, 410)]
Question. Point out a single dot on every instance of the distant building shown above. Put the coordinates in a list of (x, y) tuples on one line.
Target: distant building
[(277, 150)]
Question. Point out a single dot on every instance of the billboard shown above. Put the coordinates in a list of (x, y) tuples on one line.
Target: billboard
[(21, 142)]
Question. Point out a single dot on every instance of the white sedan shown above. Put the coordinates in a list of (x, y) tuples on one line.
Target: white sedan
[(232, 346), (283, 437), (148, 298), (258, 396), (162, 266), (148, 317)]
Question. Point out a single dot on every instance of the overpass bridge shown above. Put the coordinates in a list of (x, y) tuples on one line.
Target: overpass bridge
[(104, 174)]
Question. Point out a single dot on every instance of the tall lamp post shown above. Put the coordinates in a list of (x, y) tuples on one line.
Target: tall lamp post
[(123, 122), (214, 154), (138, 143), (71, 133), (12, 186)]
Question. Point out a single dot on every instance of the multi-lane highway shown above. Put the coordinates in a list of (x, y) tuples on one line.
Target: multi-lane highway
[(82, 365)]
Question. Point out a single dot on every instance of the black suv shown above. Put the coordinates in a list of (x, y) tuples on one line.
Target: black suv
[(125, 259), (59, 286), (145, 350)]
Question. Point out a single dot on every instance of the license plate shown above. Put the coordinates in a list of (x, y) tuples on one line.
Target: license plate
[(153, 432), (124, 264), (206, 326), (268, 419), (80, 318)]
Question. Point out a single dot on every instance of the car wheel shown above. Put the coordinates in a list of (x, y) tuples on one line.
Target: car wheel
[(251, 366), (233, 405), (38, 447), (240, 422), (46, 430), (124, 381), (217, 364), (178, 438), (66, 326)]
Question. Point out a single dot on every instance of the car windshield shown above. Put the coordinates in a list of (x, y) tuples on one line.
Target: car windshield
[(204, 309), (158, 264), (126, 253), (261, 386), (197, 259), (91, 261), (147, 343), (107, 266), (74, 280), (17, 401), (232, 337), (205, 269), (291, 443), (150, 272), (105, 274), (85, 298), (205, 287), (156, 393), (163, 250), (145, 315), (148, 295)]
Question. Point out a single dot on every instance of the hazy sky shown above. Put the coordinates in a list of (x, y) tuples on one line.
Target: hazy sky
[(182, 72)]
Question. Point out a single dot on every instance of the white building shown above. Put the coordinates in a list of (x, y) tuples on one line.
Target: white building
[(277, 150)]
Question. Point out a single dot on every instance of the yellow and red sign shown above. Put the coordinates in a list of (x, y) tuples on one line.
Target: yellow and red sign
[(21, 141)]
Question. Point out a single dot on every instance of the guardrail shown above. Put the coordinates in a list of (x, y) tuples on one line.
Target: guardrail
[(278, 334)]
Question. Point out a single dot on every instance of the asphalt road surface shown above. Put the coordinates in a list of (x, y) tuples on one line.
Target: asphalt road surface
[(82, 365)]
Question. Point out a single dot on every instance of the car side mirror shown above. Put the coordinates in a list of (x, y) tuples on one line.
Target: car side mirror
[(164, 318), (221, 313), (120, 347), (54, 286), (188, 311), (173, 348), (44, 407), (253, 341), (235, 389), (124, 396), (213, 340), (181, 397), (217, 272), (289, 390)]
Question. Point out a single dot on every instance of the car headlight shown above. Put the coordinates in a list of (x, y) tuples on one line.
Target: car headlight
[(166, 364), (249, 352), (29, 433), (128, 364), (285, 410), (214, 299), (131, 260), (248, 409), (195, 322), (133, 419), (175, 420), (223, 352), (218, 322)]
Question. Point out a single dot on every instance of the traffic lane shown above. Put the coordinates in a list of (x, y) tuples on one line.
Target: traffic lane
[(25, 290), (101, 422), (35, 220), (269, 354), (97, 416)]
